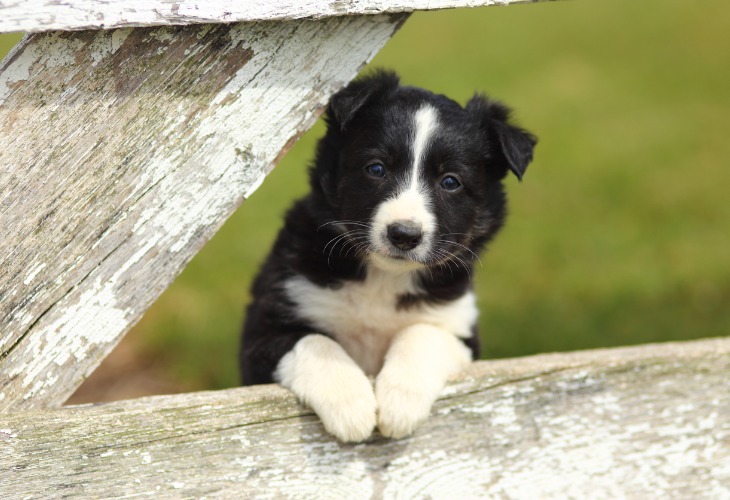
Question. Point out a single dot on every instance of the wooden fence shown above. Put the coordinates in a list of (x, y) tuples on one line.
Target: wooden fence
[(123, 150)]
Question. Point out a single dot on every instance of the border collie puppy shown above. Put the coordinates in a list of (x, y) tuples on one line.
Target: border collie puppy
[(364, 308)]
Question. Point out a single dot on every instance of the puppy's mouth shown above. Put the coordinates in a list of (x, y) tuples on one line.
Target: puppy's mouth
[(394, 263), (397, 256)]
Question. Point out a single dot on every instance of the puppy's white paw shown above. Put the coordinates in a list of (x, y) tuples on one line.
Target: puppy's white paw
[(351, 416), (324, 377), (420, 360), (400, 408)]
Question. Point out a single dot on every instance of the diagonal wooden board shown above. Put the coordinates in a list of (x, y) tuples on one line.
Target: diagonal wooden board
[(641, 422), (122, 152)]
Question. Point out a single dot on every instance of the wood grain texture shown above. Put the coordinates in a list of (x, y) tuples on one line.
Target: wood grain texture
[(45, 15), (122, 152), (645, 422)]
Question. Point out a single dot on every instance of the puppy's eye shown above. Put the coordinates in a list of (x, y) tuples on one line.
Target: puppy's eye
[(450, 183), (376, 170)]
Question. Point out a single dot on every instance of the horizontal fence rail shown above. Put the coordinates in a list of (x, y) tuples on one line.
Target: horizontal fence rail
[(644, 422), (42, 15)]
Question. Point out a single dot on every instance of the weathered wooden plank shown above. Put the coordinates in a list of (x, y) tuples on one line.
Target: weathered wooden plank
[(45, 15), (646, 422), (121, 153)]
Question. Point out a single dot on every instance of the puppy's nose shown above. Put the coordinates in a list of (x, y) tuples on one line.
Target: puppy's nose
[(405, 235)]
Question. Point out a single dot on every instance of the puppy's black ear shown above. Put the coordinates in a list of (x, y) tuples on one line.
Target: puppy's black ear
[(509, 146), (344, 104)]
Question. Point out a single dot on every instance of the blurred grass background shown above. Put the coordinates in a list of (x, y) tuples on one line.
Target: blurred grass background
[(618, 235)]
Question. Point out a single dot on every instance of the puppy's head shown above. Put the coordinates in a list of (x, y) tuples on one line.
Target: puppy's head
[(412, 178)]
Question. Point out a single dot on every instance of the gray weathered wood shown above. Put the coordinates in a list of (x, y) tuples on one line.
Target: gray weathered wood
[(121, 153), (645, 422), (44, 15)]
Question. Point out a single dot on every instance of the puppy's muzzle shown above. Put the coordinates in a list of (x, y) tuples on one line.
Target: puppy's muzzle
[(405, 235)]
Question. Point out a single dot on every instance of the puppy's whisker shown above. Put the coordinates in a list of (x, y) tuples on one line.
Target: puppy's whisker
[(443, 260), (439, 258), (460, 234), (339, 239), (363, 249), (452, 257), (351, 243), (475, 256), (345, 223), (463, 264), (334, 241)]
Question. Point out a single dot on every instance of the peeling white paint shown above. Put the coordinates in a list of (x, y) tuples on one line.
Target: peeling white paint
[(254, 186), (7, 434), (80, 328), (243, 439), (34, 15), (322, 472), (41, 385), (163, 35), (437, 474), (17, 72), (33, 272), (107, 43)]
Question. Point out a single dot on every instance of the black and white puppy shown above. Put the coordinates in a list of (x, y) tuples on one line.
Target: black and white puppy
[(371, 274)]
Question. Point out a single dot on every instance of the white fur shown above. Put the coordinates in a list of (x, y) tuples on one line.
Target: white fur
[(419, 362), (426, 123), (412, 206), (413, 353), (324, 377), (362, 316), (411, 203)]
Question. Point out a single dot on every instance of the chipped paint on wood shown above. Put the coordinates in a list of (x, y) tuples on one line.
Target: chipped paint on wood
[(128, 150), (39, 15), (644, 422)]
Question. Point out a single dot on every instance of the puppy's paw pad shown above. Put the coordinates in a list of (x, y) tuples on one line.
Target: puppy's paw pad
[(400, 410)]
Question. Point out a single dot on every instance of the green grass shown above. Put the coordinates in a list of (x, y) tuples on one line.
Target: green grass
[(619, 233), (7, 41)]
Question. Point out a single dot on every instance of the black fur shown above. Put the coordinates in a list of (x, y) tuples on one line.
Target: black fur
[(372, 119)]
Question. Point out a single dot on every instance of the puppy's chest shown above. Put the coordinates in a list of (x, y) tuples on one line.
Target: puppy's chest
[(364, 316)]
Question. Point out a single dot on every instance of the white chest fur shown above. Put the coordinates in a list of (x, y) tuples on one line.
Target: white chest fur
[(363, 316)]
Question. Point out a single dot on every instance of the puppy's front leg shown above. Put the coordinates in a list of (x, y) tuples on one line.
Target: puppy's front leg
[(419, 362), (324, 377)]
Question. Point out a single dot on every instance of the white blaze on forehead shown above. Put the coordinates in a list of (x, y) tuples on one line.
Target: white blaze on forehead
[(412, 202), (426, 122)]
